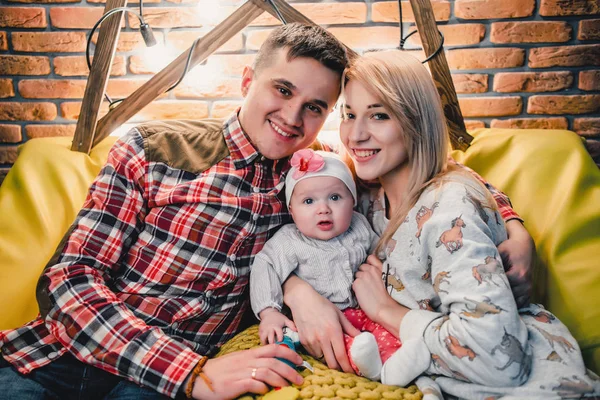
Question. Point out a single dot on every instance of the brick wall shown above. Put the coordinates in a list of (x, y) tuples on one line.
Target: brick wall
[(515, 63)]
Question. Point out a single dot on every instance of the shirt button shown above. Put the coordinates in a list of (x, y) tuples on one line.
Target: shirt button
[(53, 355), (255, 190), (175, 325), (255, 217), (232, 257)]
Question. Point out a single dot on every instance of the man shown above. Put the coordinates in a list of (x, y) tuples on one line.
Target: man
[(153, 275)]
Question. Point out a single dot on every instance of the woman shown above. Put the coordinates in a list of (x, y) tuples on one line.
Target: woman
[(444, 293)]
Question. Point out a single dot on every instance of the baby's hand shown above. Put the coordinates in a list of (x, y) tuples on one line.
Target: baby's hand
[(271, 325)]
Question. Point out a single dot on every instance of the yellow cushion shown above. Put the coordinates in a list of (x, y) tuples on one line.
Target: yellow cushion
[(548, 175), (555, 186), (39, 200), (322, 382)]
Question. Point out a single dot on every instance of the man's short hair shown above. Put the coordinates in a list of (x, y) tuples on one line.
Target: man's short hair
[(303, 40)]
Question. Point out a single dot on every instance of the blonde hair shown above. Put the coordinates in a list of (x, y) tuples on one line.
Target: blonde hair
[(405, 88)]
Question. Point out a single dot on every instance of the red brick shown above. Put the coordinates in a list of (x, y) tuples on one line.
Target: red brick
[(129, 2), (170, 17), (456, 35), (255, 38), (77, 66), (506, 82), (493, 9), (499, 57), (589, 29), (565, 56), (173, 109), (24, 65), (170, 109), (209, 88), (120, 88), (232, 65), (589, 80), (368, 37), (70, 110), (76, 17), (531, 123), (41, 131), (3, 41), (147, 65), (387, 11), (10, 133), (49, 41), (222, 109), (23, 17), (6, 88), (8, 154), (52, 89), (182, 40), (13, 111), (472, 124), (490, 106), (530, 32), (553, 105), (470, 83), (589, 127), (356, 38), (551, 8), (44, 1), (323, 14), (129, 41)]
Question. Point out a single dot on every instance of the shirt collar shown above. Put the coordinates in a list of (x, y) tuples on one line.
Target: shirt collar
[(242, 151)]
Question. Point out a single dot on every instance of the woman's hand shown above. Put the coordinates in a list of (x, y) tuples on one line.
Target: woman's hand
[(518, 253), (373, 298), (321, 325), (254, 371), (271, 325)]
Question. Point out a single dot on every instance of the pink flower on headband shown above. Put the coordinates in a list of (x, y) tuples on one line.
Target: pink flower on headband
[(306, 161)]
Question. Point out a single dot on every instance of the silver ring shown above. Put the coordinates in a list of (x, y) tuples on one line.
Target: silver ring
[(254, 373)]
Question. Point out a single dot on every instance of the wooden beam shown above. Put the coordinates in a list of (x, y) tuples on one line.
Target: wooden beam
[(98, 78), (440, 72), (163, 80), (292, 15)]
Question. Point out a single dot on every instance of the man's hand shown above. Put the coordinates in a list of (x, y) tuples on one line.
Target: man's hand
[(518, 253), (254, 371), (271, 325), (321, 325)]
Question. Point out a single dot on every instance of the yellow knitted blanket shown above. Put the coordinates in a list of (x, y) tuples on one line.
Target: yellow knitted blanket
[(323, 383)]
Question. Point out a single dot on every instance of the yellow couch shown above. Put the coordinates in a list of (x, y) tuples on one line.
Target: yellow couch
[(550, 178)]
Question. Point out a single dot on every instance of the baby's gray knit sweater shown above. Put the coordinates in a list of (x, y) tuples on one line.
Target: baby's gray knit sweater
[(327, 265)]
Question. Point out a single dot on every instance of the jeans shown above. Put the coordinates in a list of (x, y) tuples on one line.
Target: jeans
[(67, 378)]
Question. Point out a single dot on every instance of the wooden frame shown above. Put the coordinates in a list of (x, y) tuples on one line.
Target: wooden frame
[(88, 133)]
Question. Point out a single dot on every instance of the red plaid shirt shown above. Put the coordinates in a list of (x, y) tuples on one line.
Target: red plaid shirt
[(156, 272)]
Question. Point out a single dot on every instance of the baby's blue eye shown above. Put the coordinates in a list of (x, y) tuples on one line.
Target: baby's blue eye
[(308, 201), (335, 197)]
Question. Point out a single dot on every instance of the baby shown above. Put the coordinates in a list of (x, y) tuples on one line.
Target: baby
[(325, 246)]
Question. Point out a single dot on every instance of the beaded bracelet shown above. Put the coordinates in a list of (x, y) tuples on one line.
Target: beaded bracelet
[(197, 372)]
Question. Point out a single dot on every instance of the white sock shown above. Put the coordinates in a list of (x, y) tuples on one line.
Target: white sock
[(408, 362), (365, 355)]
